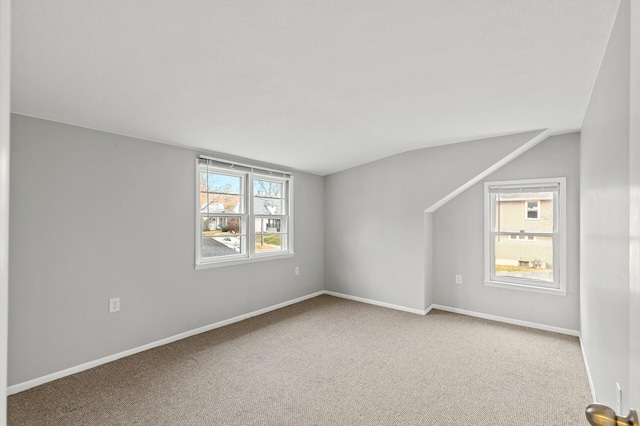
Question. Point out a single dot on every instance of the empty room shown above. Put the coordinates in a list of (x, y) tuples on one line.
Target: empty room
[(319, 213)]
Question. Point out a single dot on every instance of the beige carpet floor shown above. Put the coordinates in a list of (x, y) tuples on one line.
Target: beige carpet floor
[(329, 361)]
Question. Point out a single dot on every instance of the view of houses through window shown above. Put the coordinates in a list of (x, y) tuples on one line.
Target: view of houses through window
[(223, 213), (523, 233), (268, 201), (521, 254), (242, 213)]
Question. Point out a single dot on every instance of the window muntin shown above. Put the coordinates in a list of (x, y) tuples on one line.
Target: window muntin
[(236, 224), (525, 251)]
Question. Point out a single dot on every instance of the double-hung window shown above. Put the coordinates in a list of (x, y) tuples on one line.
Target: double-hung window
[(526, 251), (532, 209), (244, 213)]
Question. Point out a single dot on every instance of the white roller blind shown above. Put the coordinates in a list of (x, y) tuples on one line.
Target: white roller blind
[(523, 189), (231, 165)]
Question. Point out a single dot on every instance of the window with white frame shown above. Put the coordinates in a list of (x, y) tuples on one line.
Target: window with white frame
[(537, 265), (244, 213), (532, 209)]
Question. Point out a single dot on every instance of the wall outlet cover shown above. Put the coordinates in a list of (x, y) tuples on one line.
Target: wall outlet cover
[(114, 304)]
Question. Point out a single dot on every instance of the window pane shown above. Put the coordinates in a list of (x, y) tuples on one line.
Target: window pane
[(268, 206), (222, 236), (269, 226), (211, 203), (220, 183), (531, 260), (267, 189), (269, 234), (270, 242), (524, 212), (268, 197), (221, 193)]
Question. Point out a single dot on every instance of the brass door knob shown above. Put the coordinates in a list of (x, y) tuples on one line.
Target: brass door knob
[(601, 415)]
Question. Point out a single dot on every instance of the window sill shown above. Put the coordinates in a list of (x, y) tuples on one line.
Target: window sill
[(523, 287), (234, 262)]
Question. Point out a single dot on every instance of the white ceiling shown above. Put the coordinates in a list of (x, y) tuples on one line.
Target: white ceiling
[(317, 85)]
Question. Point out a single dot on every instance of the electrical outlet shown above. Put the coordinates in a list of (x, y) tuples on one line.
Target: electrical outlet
[(114, 305), (297, 270), (458, 279), (618, 399)]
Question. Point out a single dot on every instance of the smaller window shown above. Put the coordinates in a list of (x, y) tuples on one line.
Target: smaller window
[(532, 210), (527, 252)]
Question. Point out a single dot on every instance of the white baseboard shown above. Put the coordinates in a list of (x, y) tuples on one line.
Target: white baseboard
[(375, 302), (88, 365), (544, 327), (586, 366)]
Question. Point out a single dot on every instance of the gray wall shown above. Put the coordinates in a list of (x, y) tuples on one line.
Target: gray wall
[(634, 157), (604, 250), (96, 215), (375, 222), (458, 243), (5, 119)]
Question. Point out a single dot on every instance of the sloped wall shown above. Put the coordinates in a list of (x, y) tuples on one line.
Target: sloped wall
[(375, 223), (458, 244)]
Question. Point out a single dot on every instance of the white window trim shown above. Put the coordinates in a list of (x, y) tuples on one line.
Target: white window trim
[(250, 256), (560, 212)]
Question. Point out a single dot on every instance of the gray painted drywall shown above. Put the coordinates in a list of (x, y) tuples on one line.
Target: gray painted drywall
[(604, 248), (5, 120), (375, 221), (95, 216), (458, 241), (428, 259), (634, 212)]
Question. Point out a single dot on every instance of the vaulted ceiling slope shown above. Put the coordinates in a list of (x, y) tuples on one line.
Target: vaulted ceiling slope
[(318, 86)]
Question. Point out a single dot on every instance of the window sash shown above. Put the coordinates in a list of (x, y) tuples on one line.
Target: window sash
[(283, 233), (493, 199), (282, 201), (522, 280), (247, 237), (493, 192)]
